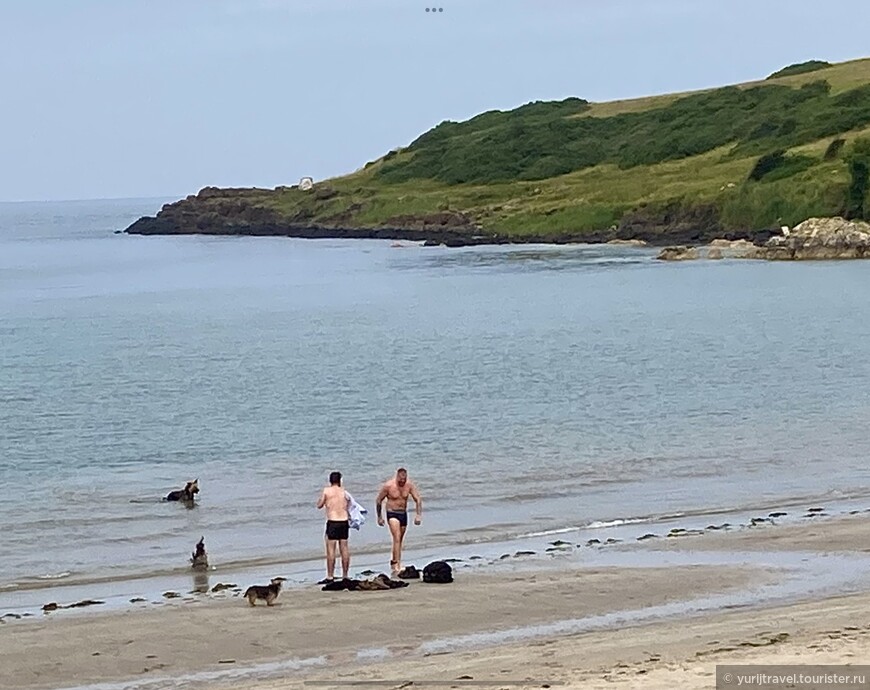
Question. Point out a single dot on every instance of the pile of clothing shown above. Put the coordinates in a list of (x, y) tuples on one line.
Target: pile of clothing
[(438, 572), (378, 582)]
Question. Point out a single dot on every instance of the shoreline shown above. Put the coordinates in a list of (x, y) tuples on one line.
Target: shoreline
[(193, 643), (531, 549), (487, 549), (517, 604), (194, 216), (434, 238), (425, 238)]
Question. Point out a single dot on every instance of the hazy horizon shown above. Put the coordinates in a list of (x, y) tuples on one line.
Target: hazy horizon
[(157, 100)]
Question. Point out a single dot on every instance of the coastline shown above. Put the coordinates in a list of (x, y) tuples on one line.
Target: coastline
[(437, 237), (629, 601), (449, 237), (481, 549), (257, 212)]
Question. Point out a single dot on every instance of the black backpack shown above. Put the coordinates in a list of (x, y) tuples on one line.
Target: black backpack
[(409, 573), (439, 572)]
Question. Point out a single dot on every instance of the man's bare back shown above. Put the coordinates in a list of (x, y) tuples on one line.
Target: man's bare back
[(334, 499)]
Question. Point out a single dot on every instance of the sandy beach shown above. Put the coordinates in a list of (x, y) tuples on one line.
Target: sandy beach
[(747, 595)]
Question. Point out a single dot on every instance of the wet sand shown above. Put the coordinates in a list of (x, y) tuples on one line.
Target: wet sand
[(565, 619), (667, 655), (309, 624)]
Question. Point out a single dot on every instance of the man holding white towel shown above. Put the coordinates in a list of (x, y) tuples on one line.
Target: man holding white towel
[(335, 499)]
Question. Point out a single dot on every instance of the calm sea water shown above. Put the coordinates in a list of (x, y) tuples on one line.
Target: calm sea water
[(525, 388)]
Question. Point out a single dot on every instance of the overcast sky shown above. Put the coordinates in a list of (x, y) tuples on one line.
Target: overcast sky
[(138, 98)]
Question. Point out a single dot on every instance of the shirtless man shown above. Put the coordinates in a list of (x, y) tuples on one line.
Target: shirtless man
[(334, 499), (396, 492)]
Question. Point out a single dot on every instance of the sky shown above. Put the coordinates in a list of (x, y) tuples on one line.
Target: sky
[(159, 98)]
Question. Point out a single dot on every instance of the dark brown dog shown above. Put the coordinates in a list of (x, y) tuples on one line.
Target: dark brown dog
[(266, 592), (199, 558), (187, 494)]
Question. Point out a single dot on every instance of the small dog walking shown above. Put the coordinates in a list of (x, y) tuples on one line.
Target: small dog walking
[(266, 592), (187, 494)]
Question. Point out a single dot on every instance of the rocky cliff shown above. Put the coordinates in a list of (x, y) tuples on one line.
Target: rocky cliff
[(814, 239), (821, 238), (326, 212)]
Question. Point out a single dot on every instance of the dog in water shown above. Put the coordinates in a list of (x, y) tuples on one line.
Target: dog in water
[(187, 494), (266, 592), (199, 558)]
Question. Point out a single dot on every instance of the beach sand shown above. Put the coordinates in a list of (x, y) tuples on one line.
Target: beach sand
[(446, 632)]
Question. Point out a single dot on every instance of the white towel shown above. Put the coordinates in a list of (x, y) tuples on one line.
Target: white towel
[(356, 512)]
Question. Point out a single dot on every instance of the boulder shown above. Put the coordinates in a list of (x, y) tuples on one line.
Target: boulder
[(628, 243), (821, 238), (719, 248), (732, 249), (678, 253)]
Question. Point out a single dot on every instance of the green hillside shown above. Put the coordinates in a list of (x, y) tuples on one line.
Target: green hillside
[(726, 161)]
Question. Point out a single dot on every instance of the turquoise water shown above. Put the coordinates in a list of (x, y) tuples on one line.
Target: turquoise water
[(526, 389)]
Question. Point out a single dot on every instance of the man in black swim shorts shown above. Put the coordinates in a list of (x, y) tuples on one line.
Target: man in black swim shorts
[(334, 499), (396, 491)]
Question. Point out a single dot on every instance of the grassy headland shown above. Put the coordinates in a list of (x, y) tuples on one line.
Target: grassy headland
[(735, 162)]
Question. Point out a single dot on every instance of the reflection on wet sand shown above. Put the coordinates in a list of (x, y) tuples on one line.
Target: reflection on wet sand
[(200, 582)]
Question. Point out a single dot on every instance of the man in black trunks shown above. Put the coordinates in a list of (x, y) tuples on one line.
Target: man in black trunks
[(334, 499), (396, 491)]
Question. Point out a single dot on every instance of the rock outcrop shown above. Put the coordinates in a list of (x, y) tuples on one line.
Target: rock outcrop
[(814, 239), (695, 232), (678, 223), (717, 249), (326, 212), (255, 212), (819, 239), (678, 253)]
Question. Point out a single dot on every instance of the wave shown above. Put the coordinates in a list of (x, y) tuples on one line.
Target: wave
[(788, 502), (601, 524), (595, 524), (54, 576), (549, 532)]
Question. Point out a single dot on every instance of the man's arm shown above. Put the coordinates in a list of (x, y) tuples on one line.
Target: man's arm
[(418, 504), (322, 501), (382, 494)]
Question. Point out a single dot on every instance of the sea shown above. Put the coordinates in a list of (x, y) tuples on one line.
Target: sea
[(528, 389)]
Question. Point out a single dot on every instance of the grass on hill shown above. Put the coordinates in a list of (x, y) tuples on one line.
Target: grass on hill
[(541, 140), (573, 166)]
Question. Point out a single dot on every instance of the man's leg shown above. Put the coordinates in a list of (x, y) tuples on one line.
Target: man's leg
[(330, 559), (402, 530), (345, 557), (396, 530)]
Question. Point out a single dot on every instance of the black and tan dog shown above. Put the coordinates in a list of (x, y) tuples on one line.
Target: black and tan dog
[(266, 592), (187, 494)]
